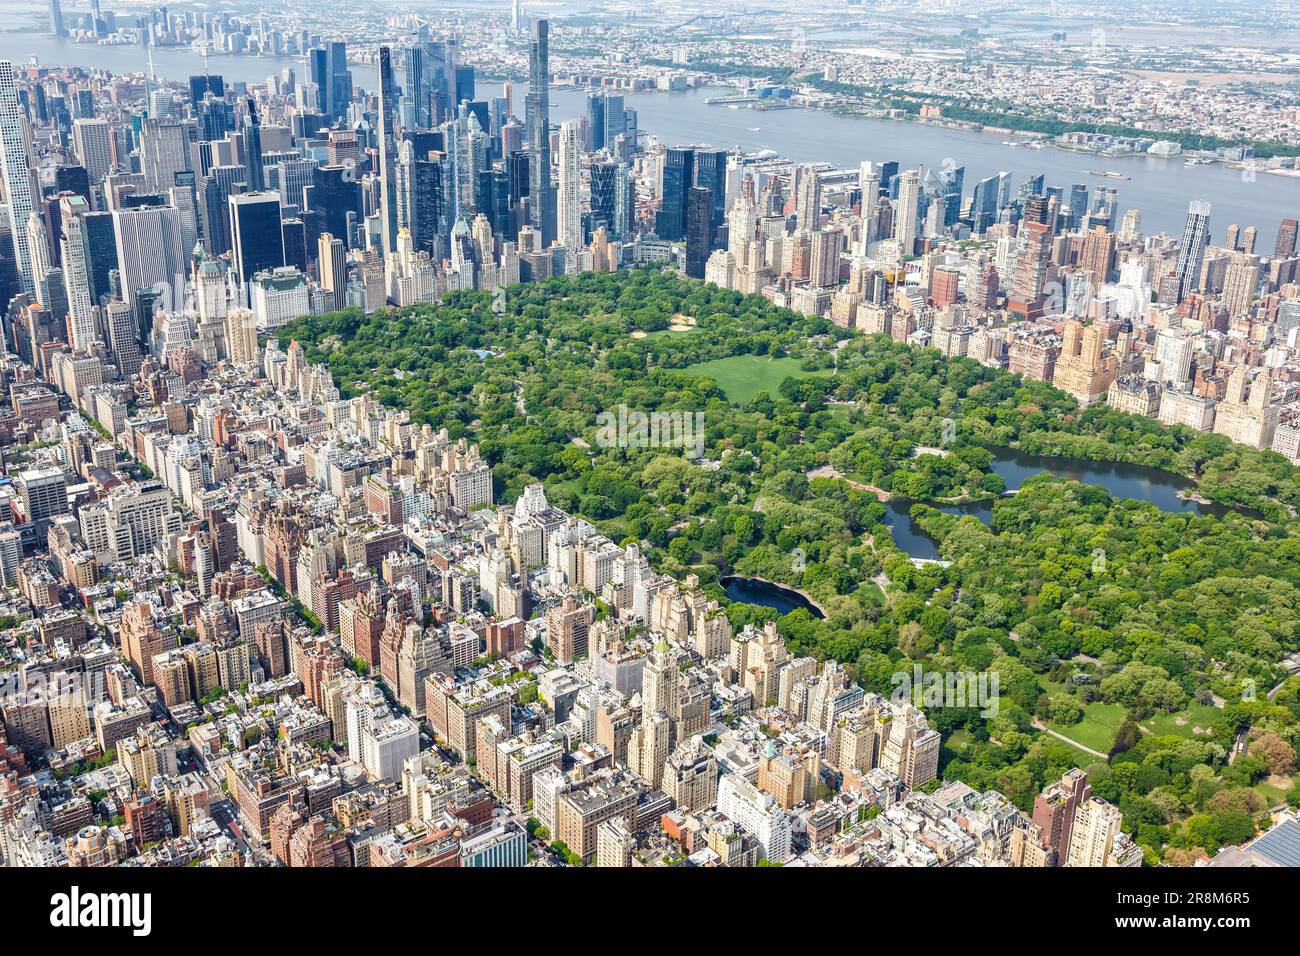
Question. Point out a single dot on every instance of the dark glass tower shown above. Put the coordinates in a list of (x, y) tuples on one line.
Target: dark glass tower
[(699, 213), (256, 233), (711, 173), (678, 177)]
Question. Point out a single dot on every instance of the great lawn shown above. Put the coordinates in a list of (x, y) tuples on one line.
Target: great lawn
[(744, 376)]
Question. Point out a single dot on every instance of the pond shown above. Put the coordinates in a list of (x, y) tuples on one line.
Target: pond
[(757, 591), (1121, 479)]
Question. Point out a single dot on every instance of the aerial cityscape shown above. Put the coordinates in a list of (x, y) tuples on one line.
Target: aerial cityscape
[(594, 434)]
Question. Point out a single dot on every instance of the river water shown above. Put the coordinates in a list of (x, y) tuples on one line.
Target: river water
[(1160, 188)]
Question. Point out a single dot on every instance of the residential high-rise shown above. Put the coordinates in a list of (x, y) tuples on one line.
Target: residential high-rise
[(699, 216), (905, 219), (1286, 235), (569, 204), (541, 194), (1196, 237), (1093, 835), (1055, 809), (17, 173), (253, 148), (808, 199), (331, 265), (387, 154)]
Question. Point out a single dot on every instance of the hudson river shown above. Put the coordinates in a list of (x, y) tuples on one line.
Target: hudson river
[(1161, 188)]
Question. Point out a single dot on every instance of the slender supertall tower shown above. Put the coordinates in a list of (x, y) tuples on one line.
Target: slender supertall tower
[(541, 194), (17, 171), (253, 148), (387, 153), (1196, 236)]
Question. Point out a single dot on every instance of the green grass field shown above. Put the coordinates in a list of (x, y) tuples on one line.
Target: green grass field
[(744, 376), (1098, 727), (1274, 795), (672, 333), (1183, 723), (872, 589)]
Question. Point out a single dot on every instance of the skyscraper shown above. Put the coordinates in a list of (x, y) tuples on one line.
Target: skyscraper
[(18, 172), (1196, 236), (1286, 235), (951, 180), (340, 79), (711, 173), (75, 255), (595, 121), (150, 254), (909, 197), (699, 212), (253, 148), (92, 142), (541, 195), (332, 267), (387, 153), (615, 118), (570, 192), (164, 152), (677, 178), (984, 204), (603, 197), (255, 234)]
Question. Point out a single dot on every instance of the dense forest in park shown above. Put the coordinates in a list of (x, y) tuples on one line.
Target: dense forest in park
[(1148, 641)]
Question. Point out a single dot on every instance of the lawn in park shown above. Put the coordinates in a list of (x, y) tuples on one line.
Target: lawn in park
[(1098, 727), (744, 376), (1184, 723)]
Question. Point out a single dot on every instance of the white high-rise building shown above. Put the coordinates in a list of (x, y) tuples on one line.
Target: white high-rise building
[(758, 814), (82, 314), (164, 152), (1196, 237), (869, 187), (150, 254), (38, 251), (123, 337), (570, 188), (17, 172), (92, 142), (909, 197)]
